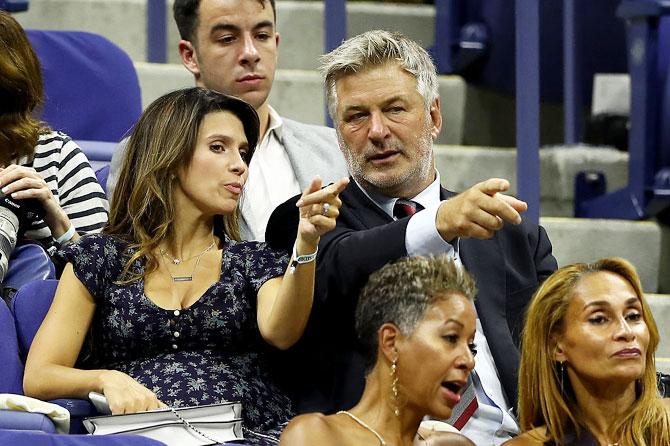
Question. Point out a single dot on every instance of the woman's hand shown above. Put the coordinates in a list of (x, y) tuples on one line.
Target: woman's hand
[(319, 209), (125, 395), (21, 183)]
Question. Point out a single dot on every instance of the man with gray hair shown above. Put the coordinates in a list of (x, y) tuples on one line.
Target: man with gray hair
[(383, 97)]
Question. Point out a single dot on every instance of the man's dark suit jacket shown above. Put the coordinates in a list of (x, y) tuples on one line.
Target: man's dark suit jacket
[(326, 371)]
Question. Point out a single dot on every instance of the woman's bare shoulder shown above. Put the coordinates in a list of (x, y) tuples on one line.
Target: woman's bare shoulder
[(666, 402), (534, 437), (311, 428), (446, 439)]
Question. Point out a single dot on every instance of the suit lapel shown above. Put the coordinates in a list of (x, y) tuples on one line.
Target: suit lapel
[(362, 208), (484, 260)]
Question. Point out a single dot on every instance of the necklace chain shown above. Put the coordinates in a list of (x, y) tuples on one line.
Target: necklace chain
[(177, 261), (382, 442)]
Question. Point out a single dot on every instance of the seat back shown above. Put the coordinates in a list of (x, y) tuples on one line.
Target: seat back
[(91, 87), (11, 378), (31, 304), (26, 263), (23, 438), (664, 77), (13, 5), (102, 174)]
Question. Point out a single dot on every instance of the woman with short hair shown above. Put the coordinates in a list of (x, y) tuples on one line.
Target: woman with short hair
[(415, 320)]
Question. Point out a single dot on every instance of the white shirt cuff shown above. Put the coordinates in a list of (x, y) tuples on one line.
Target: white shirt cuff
[(422, 238)]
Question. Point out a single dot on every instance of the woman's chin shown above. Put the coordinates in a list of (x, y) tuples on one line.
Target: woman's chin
[(440, 411)]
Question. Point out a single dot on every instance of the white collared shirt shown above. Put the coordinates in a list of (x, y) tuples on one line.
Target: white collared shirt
[(271, 179), (491, 424)]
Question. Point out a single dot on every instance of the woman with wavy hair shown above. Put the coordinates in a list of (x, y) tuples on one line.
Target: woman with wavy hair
[(181, 312), (36, 162), (587, 374)]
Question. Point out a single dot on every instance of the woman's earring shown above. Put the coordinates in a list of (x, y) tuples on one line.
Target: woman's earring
[(394, 387), (561, 371)]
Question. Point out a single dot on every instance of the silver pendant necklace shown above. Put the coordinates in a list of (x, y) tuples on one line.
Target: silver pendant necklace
[(177, 261)]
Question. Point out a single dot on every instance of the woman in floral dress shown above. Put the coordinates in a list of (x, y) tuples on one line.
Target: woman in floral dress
[(168, 307)]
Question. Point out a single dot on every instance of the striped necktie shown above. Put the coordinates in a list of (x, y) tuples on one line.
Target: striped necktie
[(465, 408), (405, 208)]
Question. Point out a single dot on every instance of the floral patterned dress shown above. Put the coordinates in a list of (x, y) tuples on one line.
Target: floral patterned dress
[(207, 353)]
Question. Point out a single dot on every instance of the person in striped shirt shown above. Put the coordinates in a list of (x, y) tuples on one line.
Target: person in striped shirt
[(37, 162)]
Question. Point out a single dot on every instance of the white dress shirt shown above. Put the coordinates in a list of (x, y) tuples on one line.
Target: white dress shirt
[(271, 179), (492, 423)]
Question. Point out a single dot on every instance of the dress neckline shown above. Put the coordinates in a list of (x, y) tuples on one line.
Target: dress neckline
[(205, 294)]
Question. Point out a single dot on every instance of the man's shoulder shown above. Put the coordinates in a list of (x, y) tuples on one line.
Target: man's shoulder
[(300, 129)]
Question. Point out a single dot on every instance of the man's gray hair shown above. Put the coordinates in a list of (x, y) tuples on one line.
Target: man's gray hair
[(401, 292), (374, 48)]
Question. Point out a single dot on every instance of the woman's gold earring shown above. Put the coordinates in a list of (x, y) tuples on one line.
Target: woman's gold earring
[(394, 387)]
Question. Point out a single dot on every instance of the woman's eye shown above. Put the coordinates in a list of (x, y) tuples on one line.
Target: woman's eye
[(634, 317), (473, 349), (452, 339), (597, 320), (216, 147)]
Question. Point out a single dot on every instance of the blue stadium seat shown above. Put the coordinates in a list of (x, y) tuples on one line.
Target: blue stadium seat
[(14, 5), (27, 262), (102, 174), (16, 438), (11, 379), (648, 190), (484, 31), (99, 153), (31, 304), (91, 87)]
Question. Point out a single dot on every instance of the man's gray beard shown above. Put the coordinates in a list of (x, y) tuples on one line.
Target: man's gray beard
[(414, 176)]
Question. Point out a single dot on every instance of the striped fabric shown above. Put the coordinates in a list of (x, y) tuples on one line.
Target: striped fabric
[(66, 170)]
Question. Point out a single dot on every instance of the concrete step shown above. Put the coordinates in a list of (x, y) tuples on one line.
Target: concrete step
[(462, 166), (660, 307), (298, 94), (585, 240), (300, 24)]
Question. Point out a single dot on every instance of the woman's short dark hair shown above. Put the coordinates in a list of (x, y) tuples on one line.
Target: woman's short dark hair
[(401, 292)]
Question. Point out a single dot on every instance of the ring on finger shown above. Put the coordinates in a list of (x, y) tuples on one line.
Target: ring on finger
[(326, 208)]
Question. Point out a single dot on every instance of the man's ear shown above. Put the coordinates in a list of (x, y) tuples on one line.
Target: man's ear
[(436, 118), (189, 57), (389, 336)]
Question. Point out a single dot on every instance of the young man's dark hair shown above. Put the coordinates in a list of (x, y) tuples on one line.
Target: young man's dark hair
[(186, 16)]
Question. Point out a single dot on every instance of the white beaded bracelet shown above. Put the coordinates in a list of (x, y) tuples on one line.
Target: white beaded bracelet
[(299, 260), (66, 236)]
